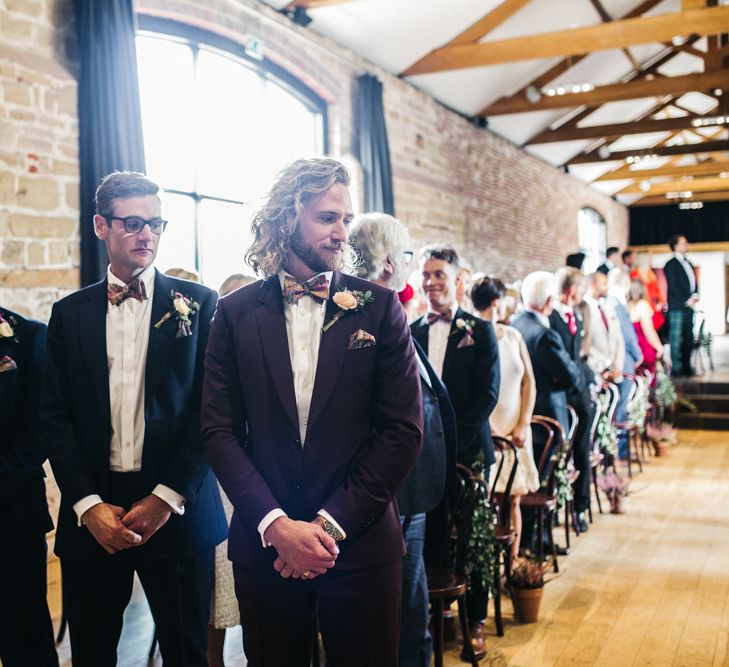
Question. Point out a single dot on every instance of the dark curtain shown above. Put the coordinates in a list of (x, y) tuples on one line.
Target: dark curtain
[(656, 224), (372, 147), (110, 124)]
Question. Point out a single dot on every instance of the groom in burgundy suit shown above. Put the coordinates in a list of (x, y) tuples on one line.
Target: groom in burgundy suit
[(312, 418)]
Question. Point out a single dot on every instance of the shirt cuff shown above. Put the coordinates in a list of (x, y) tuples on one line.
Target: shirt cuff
[(86, 503), (172, 498), (266, 521), (331, 519)]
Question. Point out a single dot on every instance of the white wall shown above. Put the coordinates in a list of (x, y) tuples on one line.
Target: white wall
[(712, 286)]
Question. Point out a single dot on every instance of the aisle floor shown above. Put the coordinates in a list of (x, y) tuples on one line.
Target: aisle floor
[(650, 587)]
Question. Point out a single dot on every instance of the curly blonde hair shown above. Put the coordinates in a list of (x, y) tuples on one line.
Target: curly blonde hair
[(274, 224)]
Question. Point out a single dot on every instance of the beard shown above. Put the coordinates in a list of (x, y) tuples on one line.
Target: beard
[(317, 260)]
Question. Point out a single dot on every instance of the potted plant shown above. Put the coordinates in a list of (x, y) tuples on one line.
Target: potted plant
[(527, 585), (615, 488)]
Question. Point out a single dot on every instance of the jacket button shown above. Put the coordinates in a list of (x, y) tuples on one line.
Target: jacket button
[(298, 487)]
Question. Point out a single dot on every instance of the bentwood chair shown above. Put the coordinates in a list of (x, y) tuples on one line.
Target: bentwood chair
[(504, 533), (448, 584)]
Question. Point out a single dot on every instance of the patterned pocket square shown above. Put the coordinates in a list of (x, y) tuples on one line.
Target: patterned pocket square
[(466, 341), (360, 339), (7, 364)]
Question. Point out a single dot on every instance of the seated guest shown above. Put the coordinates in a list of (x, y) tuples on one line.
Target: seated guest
[(612, 259), (566, 320), (512, 415), (26, 633), (641, 316), (554, 371), (383, 243), (618, 286), (575, 260), (464, 352)]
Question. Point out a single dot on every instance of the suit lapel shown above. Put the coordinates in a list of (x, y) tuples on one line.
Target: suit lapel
[(420, 331), (92, 337), (454, 338), (332, 351), (160, 340), (275, 343)]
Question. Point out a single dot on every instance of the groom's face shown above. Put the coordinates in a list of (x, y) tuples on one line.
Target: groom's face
[(321, 235)]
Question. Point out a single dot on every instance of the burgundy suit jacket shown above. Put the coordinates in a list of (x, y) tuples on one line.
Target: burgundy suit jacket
[(364, 429)]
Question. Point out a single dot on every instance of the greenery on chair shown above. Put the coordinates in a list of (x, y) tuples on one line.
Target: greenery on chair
[(481, 552)]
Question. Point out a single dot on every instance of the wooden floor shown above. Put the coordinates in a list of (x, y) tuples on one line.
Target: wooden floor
[(650, 587)]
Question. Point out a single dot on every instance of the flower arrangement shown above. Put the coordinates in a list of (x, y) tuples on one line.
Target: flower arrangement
[(528, 573), (183, 309), (481, 556), (615, 488), (348, 301), (638, 406), (665, 394), (562, 483), (6, 327), (606, 434), (465, 326)]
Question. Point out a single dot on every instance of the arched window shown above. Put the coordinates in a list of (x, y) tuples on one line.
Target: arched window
[(217, 127), (592, 234)]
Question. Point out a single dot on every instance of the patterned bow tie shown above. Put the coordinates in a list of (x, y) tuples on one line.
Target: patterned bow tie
[(434, 317), (118, 293), (317, 288)]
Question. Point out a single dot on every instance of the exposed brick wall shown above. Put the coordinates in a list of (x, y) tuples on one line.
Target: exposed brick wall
[(507, 212), (39, 247)]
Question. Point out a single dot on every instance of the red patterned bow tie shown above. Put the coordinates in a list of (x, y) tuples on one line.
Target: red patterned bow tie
[(434, 317), (118, 293), (317, 288)]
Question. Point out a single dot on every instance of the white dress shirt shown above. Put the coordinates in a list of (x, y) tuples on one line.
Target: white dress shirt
[(304, 321), (127, 339), (689, 270), (438, 334)]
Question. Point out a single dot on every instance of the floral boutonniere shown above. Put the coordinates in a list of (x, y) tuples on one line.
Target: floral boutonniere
[(348, 301), (7, 327), (466, 326), (183, 310)]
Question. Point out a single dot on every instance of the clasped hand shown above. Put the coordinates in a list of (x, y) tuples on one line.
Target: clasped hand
[(303, 547), (115, 529)]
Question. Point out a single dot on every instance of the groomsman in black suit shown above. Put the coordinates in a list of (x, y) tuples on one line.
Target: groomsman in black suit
[(121, 415), (26, 633), (463, 351), (683, 294), (612, 259), (567, 322)]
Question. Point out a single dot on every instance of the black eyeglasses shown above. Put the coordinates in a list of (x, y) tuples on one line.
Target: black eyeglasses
[(133, 224)]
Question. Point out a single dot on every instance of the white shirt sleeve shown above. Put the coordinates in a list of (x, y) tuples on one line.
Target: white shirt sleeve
[(266, 521), (172, 498), (86, 503)]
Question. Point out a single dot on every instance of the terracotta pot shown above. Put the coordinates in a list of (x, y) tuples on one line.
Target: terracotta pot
[(526, 603), (661, 447)]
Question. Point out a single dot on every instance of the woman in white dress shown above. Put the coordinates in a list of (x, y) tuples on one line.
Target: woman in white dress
[(513, 413)]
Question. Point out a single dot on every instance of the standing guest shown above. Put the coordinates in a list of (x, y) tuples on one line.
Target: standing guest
[(575, 260), (618, 286), (641, 316), (628, 258), (120, 411), (606, 352), (683, 294), (566, 320), (26, 633), (554, 371), (512, 415), (612, 259), (654, 294), (464, 281), (312, 418), (382, 242), (185, 274), (463, 352)]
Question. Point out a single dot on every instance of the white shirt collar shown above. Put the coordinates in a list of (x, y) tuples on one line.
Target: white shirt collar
[(146, 277), (562, 309)]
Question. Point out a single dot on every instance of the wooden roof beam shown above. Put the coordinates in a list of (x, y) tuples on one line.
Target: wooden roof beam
[(661, 200), (638, 88), (613, 35), (684, 149), (708, 168), (713, 184)]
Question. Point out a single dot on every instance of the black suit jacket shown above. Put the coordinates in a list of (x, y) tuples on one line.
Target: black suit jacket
[(435, 468), (578, 396), (76, 421), (679, 287), (23, 507), (554, 371), (471, 376)]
